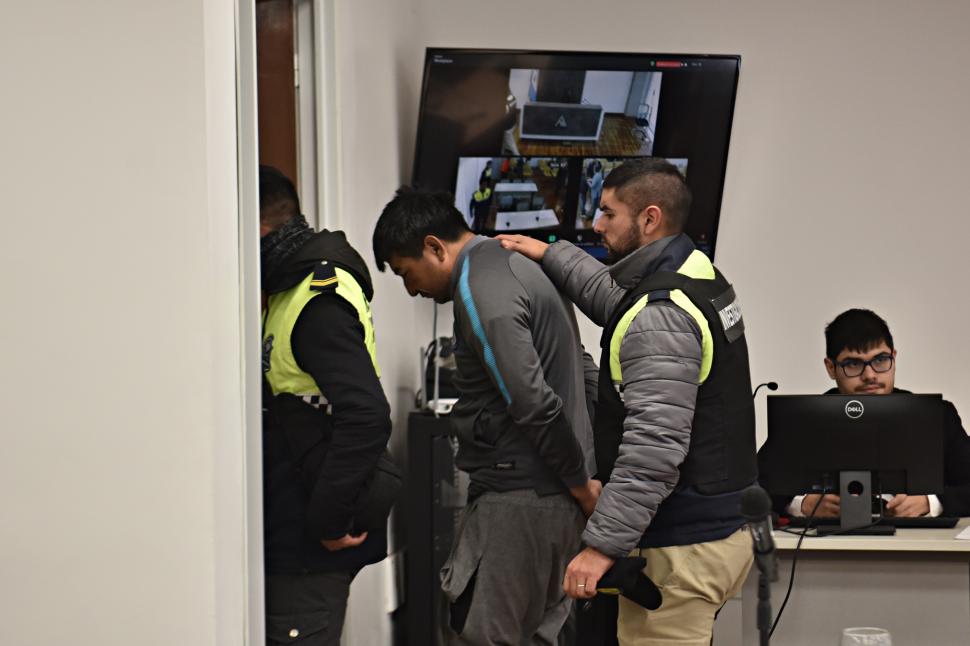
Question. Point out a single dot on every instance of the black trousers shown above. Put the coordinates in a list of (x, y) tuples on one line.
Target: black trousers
[(306, 609)]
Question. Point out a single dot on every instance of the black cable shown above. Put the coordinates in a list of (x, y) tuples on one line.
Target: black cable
[(794, 562), (793, 532), (801, 536)]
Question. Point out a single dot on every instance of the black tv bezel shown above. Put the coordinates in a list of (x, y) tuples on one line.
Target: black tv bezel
[(430, 52)]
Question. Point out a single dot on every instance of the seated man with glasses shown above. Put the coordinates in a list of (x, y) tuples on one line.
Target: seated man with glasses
[(861, 359)]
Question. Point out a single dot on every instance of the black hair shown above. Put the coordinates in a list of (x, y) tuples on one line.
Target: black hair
[(409, 217), (652, 180), (278, 200), (857, 330)]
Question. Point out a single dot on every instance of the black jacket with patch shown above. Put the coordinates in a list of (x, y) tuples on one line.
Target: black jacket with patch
[(328, 344)]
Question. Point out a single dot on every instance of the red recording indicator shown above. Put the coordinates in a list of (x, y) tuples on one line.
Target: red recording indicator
[(669, 64)]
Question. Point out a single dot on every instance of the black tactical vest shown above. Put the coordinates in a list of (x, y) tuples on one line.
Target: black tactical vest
[(722, 454)]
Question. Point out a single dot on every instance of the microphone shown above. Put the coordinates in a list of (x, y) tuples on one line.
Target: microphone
[(756, 509), (772, 385)]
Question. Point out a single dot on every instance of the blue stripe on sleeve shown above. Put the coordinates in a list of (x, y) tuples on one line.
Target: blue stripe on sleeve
[(466, 299)]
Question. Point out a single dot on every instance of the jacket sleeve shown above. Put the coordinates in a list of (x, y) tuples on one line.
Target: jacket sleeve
[(591, 379), (660, 358), (585, 280), (496, 307), (328, 343), (956, 467)]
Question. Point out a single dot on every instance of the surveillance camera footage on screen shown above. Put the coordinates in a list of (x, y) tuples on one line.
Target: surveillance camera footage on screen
[(524, 140)]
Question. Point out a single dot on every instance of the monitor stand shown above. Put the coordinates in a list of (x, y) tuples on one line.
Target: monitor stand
[(855, 508)]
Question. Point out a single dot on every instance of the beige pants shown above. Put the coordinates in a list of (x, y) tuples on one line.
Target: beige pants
[(695, 581)]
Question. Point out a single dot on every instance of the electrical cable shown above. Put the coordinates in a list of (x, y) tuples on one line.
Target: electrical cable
[(794, 562), (801, 536)]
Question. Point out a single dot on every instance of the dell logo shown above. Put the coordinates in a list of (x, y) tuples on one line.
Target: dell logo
[(561, 121), (854, 409)]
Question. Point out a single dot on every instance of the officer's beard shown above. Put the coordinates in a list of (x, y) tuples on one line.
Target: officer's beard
[(627, 243)]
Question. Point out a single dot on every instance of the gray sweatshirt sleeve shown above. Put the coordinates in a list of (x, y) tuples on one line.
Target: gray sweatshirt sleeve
[(660, 359), (585, 280), (591, 378), (497, 307)]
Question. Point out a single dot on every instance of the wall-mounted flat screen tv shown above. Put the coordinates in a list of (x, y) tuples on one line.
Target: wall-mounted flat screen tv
[(524, 139)]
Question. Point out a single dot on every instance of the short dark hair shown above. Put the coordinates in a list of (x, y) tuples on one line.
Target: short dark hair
[(409, 217), (857, 330), (278, 200), (652, 180)]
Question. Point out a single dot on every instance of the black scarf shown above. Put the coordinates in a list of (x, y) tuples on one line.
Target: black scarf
[(275, 247)]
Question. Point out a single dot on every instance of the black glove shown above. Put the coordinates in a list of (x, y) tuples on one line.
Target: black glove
[(626, 577)]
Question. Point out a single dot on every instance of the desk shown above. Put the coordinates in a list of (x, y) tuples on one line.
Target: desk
[(516, 187), (518, 220), (915, 584)]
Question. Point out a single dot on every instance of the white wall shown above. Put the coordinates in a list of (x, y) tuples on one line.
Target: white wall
[(121, 472), (520, 81), (378, 67), (608, 89), (470, 170)]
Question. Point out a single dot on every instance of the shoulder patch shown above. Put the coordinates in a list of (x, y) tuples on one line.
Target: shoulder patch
[(324, 278)]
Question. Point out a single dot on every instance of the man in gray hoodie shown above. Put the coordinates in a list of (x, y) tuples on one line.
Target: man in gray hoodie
[(524, 434), (675, 437)]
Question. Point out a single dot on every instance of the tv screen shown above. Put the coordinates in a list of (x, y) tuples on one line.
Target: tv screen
[(524, 140)]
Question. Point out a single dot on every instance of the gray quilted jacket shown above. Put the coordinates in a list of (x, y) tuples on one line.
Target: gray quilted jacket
[(660, 358)]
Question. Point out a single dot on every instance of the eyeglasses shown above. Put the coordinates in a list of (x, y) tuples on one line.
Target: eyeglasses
[(855, 367)]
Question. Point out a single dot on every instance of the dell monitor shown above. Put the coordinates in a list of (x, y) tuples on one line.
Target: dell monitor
[(524, 139), (853, 445)]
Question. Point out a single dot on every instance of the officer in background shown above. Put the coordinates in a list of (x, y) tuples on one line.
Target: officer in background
[(480, 205), (326, 421), (675, 433)]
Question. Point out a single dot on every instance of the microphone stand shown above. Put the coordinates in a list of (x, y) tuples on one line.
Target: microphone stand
[(756, 509), (764, 596)]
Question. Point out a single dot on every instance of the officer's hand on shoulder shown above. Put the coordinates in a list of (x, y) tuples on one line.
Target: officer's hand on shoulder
[(528, 247)]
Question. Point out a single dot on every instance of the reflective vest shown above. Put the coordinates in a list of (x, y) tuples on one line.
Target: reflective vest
[(480, 196), (282, 310), (722, 455)]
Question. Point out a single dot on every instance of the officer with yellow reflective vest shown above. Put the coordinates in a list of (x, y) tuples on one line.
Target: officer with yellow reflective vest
[(326, 420), (480, 205), (674, 428)]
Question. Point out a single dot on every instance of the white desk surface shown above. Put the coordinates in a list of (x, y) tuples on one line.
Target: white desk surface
[(516, 187), (905, 540), (541, 219)]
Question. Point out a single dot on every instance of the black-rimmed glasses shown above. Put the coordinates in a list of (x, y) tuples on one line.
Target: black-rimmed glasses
[(855, 367)]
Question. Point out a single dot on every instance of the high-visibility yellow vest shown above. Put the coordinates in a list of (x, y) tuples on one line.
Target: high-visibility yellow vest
[(480, 196), (282, 310), (697, 265)]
